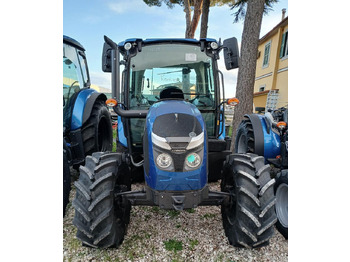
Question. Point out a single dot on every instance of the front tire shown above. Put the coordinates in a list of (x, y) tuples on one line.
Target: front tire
[(97, 130), (66, 181), (100, 217), (281, 191), (249, 215)]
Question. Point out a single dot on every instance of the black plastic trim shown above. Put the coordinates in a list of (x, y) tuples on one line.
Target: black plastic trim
[(90, 103), (258, 134), (130, 113), (77, 147)]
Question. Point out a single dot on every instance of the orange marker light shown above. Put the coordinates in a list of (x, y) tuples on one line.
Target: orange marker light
[(111, 102), (281, 125), (233, 101)]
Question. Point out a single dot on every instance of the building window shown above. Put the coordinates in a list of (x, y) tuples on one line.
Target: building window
[(262, 88), (284, 46), (267, 54)]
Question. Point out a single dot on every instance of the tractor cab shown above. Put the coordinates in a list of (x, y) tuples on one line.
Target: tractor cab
[(156, 70), (75, 76)]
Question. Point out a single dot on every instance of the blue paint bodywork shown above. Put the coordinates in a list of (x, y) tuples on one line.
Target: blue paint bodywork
[(78, 110), (121, 136), (175, 181), (272, 142), (222, 126)]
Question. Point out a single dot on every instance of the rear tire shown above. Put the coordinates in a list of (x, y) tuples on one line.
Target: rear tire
[(281, 191), (100, 217), (97, 130), (249, 215)]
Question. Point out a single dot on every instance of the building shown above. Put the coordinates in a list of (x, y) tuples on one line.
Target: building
[(271, 81)]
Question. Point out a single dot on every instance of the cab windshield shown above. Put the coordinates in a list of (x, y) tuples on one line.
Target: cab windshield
[(159, 67), (162, 66)]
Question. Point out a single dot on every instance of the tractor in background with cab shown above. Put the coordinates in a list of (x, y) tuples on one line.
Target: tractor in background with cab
[(266, 134), (87, 124)]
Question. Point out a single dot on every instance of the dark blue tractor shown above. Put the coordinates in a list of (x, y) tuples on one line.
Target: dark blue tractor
[(170, 107), (87, 124), (267, 135)]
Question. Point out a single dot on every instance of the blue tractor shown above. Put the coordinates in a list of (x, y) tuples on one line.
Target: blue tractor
[(87, 124), (169, 99), (267, 135)]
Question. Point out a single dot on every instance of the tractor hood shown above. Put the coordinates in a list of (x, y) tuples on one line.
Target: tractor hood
[(175, 146), (173, 122)]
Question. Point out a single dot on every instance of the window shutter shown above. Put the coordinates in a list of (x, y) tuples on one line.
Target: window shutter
[(282, 45), (266, 54)]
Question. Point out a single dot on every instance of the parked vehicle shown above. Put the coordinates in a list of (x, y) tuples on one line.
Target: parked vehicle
[(267, 135), (170, 122), (87, 124)]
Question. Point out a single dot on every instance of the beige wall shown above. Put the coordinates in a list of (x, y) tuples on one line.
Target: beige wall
[(282, 85), (275, 75)]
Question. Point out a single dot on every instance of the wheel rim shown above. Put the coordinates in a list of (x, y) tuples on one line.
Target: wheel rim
[(282, 204), (242, 144)]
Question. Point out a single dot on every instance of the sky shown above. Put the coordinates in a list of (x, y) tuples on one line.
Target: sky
[(88, 21)]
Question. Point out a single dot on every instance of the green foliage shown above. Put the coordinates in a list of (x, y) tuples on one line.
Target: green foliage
[(173, 245), (169, 3), (208, 216), (114, 149), (193, 243), (155, 209), (172, 3), (191, 211), (173, 213), (241, 5)]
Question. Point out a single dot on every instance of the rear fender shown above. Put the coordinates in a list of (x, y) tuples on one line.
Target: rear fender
[(267, 142), (83, 106)]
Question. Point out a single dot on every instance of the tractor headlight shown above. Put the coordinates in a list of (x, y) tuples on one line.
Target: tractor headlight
[(164, 160), (193, 160)]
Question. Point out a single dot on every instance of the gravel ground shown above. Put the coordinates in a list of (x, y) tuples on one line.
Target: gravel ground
[(161, 235)]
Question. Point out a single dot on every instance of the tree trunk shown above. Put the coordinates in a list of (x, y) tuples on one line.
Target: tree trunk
[(188, 18), (192, 23), (204, 20), (247, 66), (196, 16)]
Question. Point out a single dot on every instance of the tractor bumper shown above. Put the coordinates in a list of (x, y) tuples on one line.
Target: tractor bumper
[(175, 200)]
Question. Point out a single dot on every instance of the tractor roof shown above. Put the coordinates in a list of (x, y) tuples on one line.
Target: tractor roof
[(70, 41), (167, 40)]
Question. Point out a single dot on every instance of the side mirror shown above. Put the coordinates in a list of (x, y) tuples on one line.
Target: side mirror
[(106, 58), (231, 53)]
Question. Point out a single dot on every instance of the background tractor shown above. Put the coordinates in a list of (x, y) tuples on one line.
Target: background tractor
[(267, 135), (87, 124), (170, 107)]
